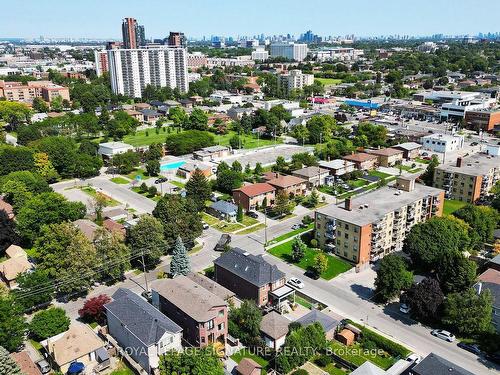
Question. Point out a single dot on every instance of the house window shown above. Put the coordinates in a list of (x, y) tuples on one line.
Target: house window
[(220, 327), (209, 324), (202, 340), (221, 313)]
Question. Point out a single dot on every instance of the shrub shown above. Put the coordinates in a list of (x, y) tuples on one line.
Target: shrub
[(48, 323), (93, 308), (300, 371), (144, 188), (314, 243), (324, 360)]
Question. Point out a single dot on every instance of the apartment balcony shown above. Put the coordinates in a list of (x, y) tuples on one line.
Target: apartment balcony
[(330, 247), (331, 226), (330, 235)]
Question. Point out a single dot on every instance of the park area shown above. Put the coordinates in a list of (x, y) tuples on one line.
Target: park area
[(452, 205), (328, 81), (336, 266)]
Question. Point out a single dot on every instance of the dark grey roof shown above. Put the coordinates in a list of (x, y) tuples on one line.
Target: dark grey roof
[(156, 103), (436, 365), (224, 207), (326, 321), (149, 112), (249, 267), (140, 317), (495, 291)]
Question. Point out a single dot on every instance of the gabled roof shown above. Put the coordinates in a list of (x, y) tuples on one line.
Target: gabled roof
[(437, 365), (87, 227), (190, 297), (368, 368), (247, 366), (224, 207), (252, 268), (211, 285), (256, 189), (139, 317), (14, 251), (386, 152), (311, 171), (12, 267), (274, 325), (284, 181), (360, 157), (408, 146), (326, 321), (149, 112)]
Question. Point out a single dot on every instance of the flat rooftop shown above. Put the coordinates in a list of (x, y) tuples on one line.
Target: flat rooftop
[(474, 165), (336, 164), (380, 202)]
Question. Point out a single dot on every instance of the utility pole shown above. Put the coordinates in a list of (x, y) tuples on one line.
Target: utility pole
[(265, 227), (144, 270)]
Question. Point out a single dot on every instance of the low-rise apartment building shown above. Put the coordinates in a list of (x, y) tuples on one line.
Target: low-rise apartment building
[(250, 197), (362, 160), (292, 185), (19, 92), (295, 80), (469, 179), (373, 225), (201, 314), (388, 157)]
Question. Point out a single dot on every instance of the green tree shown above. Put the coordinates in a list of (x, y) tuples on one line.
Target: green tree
[(12, 324), (34, 289), (376, 135), (197, 120), (298, 249), (428, 242), (320, 128), (87, 166), (7, 365), (258, 170), (46, 208), (392, 277), (280, 165), (121, 125), (428, 176), (15, 159), (468, 312), (44, 167), (14, 113), (179, 217), (177, 115), (199, 362), (16, 193), (188, 141), (147, 236), (8, 233), (456, 272), (228, 180), (33, 182), (180, 264), (237, 167), (62, 153), (153, 167), (320, 264), (67, 256), (198, 188), (482, 220), (112, 254), (425, 299), (126, 162), (239, 214), (39, 105), (244, 322), (48, 323), (283, 205)]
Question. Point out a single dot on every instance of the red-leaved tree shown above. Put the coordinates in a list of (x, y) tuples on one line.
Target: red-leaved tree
[(93, 308)]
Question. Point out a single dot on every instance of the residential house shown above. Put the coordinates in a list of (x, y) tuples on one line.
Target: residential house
[(315, 176), (388, 157), (201, 314), (135, 114), (362, 160), (116, 214), (273, 329), (255, 195), (78, 344), (437, 365), (141, 106), (338, 167), (213, 287), (17, 262), (328, 323), (248, 366), (369, 368), (223, 210), (186, 103), (187, 169), (114, 227), (26, 365), (251, 277), (411, 150), (9, 210), (292, 185), (150, 116), (212, 153), (135, 323), (490, 280), (87, 227), (236, 113)]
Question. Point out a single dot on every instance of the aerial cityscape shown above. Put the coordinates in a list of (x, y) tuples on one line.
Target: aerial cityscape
[(219, 187)]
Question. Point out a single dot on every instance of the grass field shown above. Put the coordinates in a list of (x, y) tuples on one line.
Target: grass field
[(290, 234), (227, 227), (451, 205), (141, 139), (137, 172), (336, 266), (329, 81), (357, 183), (357, 355), (110, 202), (123, 369), (379, 174), (120, 180), (155, 197), (247, 140)]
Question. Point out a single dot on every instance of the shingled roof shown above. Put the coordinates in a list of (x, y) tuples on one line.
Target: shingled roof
[(141, 318), (437, 365), (252, 268)]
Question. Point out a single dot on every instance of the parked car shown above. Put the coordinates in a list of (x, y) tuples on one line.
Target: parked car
[(474, 144), (44, 366), (223, 242), (205, 226), (295, 226), (443, 335), (404, 308), (253, 214), (414, 358), (296, 282), (425, 154), (311, 274), (160, 180), (494, 357), (148, 295), (473, 348)]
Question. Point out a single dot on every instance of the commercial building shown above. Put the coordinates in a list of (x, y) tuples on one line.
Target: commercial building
[(295, 80), (411, 150), (133, 34), (19, 92), (260, 54), (133, 69), (373, 225), (442, 142), (485, 120), (469, 179), (176, 39), (110, 149), (201, 314), (291, 51)]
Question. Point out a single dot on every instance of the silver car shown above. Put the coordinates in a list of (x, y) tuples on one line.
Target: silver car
[(443, 335)]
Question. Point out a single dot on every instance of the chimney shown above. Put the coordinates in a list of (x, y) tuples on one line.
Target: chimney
[(459, 162), (348, 204)]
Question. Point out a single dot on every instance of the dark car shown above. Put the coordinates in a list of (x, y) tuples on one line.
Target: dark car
[(223, 242), (494, 357), (312, 274), (252, 214), (474, 144), (473, 348), (160, 180), (147, 295)]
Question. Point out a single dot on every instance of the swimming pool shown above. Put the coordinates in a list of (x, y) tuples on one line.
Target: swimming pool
[(174, 165)]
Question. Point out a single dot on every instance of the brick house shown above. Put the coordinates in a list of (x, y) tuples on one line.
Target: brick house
[(388, 157), (293, 185), (248, 275), (201, 314), (251, 196), (362, 160)]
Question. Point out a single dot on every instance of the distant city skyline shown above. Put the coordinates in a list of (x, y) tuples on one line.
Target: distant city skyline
[(197, 18)]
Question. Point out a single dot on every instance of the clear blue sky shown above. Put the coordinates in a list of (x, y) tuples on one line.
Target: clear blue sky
[(102, 18)]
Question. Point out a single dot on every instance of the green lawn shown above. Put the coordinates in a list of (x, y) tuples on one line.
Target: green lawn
[(238, 356), (357, 355), (227, 227), (336, 266), (252, 229), (110, 202), (357, 183), (290, 234), (120, 180), (122, 369), (303, 302), (379, 174), (137, 189), (177, 183), (451, 205), (137, 172), (247, 140), (329, 81), (36, 345), (141, 139), (423, 161)]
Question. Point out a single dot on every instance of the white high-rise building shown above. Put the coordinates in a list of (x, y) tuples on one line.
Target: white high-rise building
[(131, 70), (295, 80), (292, 51), (260, 54)]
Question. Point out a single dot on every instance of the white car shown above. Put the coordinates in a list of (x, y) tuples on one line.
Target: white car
[(296, 282), (205, 226), (443, 335), (404, 308), (413, 358)]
